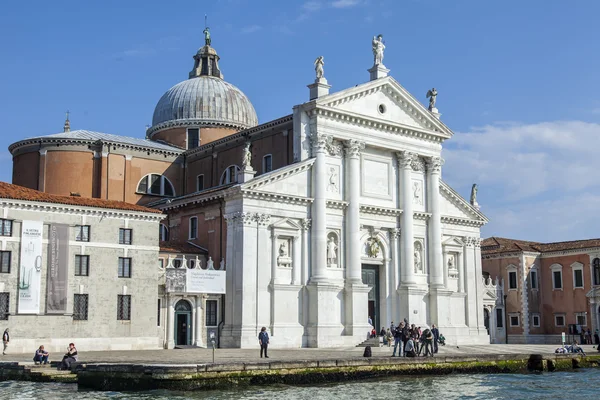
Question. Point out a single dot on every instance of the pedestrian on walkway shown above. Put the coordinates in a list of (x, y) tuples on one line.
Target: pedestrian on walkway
[(428, 342), (5, 340), (398, 340), (263, 340), (436, 336)]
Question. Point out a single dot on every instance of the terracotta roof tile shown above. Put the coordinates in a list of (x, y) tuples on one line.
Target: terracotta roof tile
[(497, 245), (10, 191), (181, 248)]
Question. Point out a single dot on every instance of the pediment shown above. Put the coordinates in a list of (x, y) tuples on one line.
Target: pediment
[(489, 295), (454, 206), (286, 224), (292, 180), (385, 100), (453, 242)]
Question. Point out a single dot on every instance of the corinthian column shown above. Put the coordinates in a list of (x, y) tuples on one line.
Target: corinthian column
[(434, 166), (319, 208), (353, 271), (407, 268)]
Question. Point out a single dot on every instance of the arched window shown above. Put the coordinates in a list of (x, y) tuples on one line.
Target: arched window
[(596, 268), (163, 233), (157, 185), (230, 175)]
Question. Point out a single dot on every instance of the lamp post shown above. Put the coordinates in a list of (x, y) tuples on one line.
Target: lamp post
[(505, 321)]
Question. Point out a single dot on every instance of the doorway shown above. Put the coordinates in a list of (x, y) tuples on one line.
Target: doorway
[(486, 319), (370, 277), (183, 323)]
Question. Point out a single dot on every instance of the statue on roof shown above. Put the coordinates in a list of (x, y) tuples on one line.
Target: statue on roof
[(432, 96), (474, 195), (247, 158), (206, 32), (378, 48), (319, 67)]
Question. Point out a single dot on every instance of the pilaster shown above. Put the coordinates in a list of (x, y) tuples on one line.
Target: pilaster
[(407, 274), (436, 267)]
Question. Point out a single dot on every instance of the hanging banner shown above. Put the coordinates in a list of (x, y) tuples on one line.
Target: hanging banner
[(30, 270), (56, 282), (205, 281)]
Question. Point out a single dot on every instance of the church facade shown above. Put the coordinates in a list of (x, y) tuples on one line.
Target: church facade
[(322, 219)]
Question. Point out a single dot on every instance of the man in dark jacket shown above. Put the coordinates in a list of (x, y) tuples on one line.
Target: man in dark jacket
[(263, 340), (5, 340), (436, 337), (398, 340)]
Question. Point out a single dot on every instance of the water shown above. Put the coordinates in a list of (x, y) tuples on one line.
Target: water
[(583, 384)]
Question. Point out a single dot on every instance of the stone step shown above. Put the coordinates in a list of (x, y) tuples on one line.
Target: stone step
[(374, 342)]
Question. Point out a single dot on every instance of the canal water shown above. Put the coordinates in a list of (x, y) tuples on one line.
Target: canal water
[(583, 384)]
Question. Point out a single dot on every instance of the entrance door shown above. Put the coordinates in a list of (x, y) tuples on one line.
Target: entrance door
[(370, 277), (486, 319), (183, 323)]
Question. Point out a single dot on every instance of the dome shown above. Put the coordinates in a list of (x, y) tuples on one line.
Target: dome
[(205, 100)]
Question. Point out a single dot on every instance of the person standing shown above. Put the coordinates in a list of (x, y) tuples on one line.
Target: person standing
[(436, 336), (428, 342), (263, 340), (5, 340), (398, 342)]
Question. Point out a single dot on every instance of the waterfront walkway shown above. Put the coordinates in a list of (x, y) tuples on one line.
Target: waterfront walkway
[(196, 356)]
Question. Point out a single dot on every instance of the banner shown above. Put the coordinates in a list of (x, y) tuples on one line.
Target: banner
[(56, 282), (30, 271), (205, 281)]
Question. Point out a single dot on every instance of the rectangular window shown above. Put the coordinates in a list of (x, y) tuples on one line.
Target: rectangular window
[(535, 321), (4, 303), (5, 257), (193, 228), (80, 307), (193, 138), (512, 279), (514, 320), (82, 265), (124, 267), (533, 278), (124, 307), (581, 319), (158, 314), (557, 279), (267, 163), (559, 320), (499, 318), (5, 227), (161, 263), (125, 236), (199, 183), (82, 233), (211, 312), (578, 278)]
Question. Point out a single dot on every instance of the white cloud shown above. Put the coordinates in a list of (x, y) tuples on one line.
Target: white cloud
[(344, 3), (251, 29), (534, 178)]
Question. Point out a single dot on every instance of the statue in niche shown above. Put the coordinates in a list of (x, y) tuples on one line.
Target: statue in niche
[(417, 193), (378, 48), (432, 96), (417, 256), (247, 158), (333, 180), (319, 67), (283, 249), (210, 264), (450, 262), (332, 248), (373, 248)]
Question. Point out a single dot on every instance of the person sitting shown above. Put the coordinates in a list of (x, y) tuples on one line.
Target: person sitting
[(41, 356), (389, 337), (409, 348), (382, 332), (69, 357), (373, 333), (576, 349), (442, 340)]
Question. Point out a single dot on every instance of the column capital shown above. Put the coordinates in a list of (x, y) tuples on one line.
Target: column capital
[(353, 148), (306, 222), (434, 164), (395, 233), (262, 219), (472, 241), (406, 158), (322, 143)]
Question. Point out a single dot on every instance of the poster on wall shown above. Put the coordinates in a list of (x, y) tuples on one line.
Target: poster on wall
[(56, 279), (205, 281), (30, 268)]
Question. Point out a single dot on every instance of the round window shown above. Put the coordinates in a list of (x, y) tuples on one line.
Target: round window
[(382, 109)]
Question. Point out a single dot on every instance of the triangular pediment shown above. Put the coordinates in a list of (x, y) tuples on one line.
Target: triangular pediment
[(385, 100), (453, 205), (489, 295), (286, 224), (453, 241), (292, 180)]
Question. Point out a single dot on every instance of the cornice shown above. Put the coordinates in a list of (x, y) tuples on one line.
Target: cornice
[(570, 252), (461, 221), (421, 215), (278, 197), (337, 204), (23, 205), (279, 174), (377, 210), (191, 199), (462, 203), (188, 122)]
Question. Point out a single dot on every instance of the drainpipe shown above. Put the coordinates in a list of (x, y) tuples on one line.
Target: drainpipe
[(505, 321)]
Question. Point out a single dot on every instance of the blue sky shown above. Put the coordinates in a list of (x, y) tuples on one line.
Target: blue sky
[(517, 80)]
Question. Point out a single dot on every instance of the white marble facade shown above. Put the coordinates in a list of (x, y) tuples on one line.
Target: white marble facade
[(365, 190)]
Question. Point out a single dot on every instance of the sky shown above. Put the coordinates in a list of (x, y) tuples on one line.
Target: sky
[(517, 81)]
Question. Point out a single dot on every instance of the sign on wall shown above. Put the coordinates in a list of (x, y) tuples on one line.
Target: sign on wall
[(205, 281), (30, 269), (56, 282)]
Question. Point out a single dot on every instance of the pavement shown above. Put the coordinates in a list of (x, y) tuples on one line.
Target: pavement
[(200, 356)]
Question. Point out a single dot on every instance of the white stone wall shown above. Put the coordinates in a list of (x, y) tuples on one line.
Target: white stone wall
[(102, 330)]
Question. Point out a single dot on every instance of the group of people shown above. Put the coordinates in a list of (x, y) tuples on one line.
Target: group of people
[(585, 336), (412, 341), (41, 355), (574, 348)]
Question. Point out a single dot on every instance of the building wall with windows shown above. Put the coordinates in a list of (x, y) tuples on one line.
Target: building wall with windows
[(558, 286), (111, 273)]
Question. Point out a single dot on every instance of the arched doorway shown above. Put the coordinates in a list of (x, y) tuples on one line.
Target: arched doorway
[(486, 319), (183, 323)]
